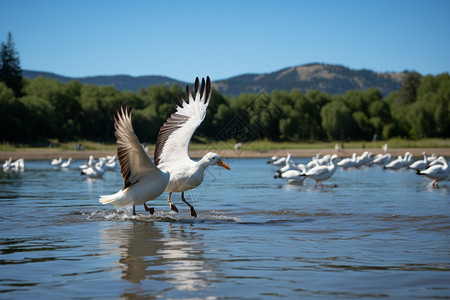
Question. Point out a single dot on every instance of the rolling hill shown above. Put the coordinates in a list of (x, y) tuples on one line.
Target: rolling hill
[(331, 79)]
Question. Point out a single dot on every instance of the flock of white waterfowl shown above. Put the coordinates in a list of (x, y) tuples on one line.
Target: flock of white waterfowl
[(92, 169), (322, 168), (174, 171), (17, 165)]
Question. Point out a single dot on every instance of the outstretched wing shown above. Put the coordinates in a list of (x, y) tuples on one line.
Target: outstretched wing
[(134, 162), (176, 133)]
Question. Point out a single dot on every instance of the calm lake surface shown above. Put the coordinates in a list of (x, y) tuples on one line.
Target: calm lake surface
[(368, 233)]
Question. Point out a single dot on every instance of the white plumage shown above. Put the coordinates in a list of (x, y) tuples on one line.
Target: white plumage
[(292, 176), (171, 151), (437, 172), (349, 162), (321, 173), (142, 180), (399, 163), (94, 170), (420, 164), (56, 161), (66, 164)]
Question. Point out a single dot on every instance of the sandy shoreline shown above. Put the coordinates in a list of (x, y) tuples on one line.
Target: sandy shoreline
[(42, 154)]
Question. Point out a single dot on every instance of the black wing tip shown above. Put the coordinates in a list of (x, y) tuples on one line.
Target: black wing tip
[(188, 93), (197, 83), (204, 89), (208, 89)]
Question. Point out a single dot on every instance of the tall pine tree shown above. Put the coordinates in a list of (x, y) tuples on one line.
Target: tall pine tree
[(10, 71)]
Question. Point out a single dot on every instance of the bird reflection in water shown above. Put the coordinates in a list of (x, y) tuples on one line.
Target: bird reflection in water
[(175, 259), (187, 268)]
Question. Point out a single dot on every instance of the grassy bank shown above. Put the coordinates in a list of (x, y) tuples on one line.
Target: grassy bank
[(260, 145)]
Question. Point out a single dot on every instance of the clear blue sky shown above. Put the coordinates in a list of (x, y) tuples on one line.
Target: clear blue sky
[(186, 39)]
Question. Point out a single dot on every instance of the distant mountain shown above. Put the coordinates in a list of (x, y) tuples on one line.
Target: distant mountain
[(120, 82), (331, 79)]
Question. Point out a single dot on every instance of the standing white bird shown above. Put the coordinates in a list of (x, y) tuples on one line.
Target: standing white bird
[(321, 173), (89, 163), (398, 163), (142, 180), (279, 162), (18, 165), (292, 176), (381, 159), (364, 159), (436, 172), (56, 161), (109, 162), (395, 164), (171, 151), (66, 164), (290, 165), (348, 162), (94, 170), (7, 164), (420, 164)]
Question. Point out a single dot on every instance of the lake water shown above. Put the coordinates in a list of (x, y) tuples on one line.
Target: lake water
[(367, 233)]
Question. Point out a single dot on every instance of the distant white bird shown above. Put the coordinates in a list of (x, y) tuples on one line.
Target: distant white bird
[(279, 162), (290, 165), (172, 146), (437, 172), (321, 173), (88, 164), (348, 162), (18, 165), (56, 161), (66, 164), (110, 162), (420, 164), (273, 159), (94, 170), (142, 180), (292, 176), (364, 159), (381, 159), (315, 161), (7, 164), (385, 147), (408, 159), (395, 164), (398, 163)]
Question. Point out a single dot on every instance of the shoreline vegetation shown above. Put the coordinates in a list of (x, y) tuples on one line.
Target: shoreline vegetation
[(254, 149)]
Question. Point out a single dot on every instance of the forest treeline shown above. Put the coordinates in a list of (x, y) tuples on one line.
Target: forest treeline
[(48, 109)]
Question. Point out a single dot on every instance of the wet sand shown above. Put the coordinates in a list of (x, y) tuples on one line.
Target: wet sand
[(42, 154)]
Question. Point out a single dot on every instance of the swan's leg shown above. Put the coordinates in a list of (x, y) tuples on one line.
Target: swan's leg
[(151, 210), (134, 210), (193, 212), (172, 206)]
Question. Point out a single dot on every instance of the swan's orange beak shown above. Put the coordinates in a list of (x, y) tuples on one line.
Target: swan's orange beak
[(224, 165)]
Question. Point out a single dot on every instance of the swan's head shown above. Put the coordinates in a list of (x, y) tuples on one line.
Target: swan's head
[(211, 159)]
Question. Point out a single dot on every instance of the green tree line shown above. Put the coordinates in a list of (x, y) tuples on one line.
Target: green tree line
[(48, 109)]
